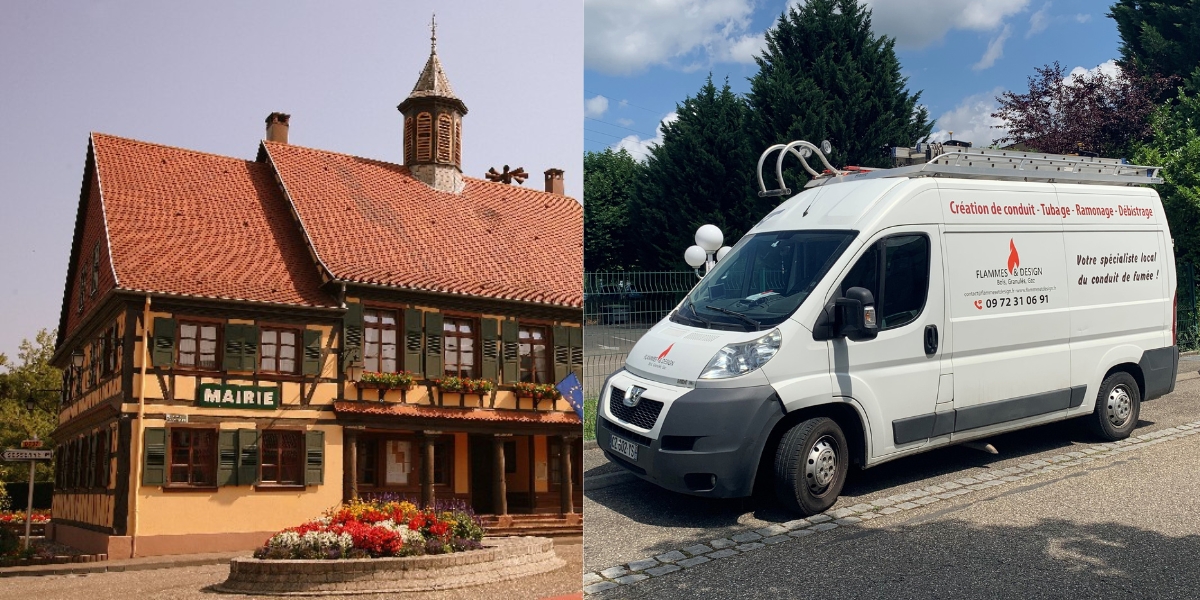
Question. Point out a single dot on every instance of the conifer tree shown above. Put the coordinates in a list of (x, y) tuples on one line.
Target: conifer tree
[(702, 172), (825, 76), (609, 184)]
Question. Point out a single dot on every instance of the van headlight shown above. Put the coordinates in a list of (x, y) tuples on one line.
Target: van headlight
[(739, 359)]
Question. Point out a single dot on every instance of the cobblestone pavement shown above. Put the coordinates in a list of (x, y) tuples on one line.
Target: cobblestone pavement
[(188, 583), (637, 531)]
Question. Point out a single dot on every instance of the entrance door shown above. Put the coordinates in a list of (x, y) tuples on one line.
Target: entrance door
[(483, 471), (894, 377)]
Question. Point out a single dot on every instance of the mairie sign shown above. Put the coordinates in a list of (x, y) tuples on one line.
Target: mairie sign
[(237, 396)]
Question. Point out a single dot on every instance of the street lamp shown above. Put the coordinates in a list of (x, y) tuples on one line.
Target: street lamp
[(77, 359), (708, 249)]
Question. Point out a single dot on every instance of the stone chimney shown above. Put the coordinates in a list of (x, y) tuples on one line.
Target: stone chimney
[(554, 181), (277, 127)]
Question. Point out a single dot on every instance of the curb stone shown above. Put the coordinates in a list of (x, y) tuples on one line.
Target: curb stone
[(748, 540)]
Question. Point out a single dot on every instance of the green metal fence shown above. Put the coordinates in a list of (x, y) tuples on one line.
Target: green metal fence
[(618, 307), (1187, 326)]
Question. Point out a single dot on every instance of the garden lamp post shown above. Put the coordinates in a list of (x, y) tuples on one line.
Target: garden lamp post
[(708, 249)]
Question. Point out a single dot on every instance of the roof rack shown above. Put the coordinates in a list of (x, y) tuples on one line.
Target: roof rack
[(971, 163)]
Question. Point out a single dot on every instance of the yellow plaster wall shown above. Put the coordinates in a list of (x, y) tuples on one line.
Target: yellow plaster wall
[(234, 509)]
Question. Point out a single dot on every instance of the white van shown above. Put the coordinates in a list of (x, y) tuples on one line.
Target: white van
[(882, 314)]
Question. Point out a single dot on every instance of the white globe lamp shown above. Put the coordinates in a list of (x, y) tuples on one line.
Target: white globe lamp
[(722, 252), (695, 256), (709, 238)]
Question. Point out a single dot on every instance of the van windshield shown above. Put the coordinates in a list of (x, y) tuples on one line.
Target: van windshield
[(763, 279)]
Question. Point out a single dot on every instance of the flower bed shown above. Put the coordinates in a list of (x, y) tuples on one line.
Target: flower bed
[(537, 391), (464, 385), (387, 381), (40, 517), (376, 529)]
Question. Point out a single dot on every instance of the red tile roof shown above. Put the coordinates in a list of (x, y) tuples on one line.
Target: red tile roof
[(464, 414), (197, 224), (371, 222)]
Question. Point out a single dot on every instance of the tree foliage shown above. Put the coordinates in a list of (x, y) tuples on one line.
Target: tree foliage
[(1175, 146), (703, 172), (1158, 37), (825, 76), (18, 382), (1091, 111), (609, 182)]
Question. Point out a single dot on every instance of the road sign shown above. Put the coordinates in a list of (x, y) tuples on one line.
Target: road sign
[(16, 454), (31, 444)]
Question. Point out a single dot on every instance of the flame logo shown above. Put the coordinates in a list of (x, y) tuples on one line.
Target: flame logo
[(664, 352), (1014, 260)]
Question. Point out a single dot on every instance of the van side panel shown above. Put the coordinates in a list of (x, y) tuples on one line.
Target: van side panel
[(1117, 290)]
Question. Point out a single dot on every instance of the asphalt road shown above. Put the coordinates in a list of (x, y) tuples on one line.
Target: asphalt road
[(194, 583), (636, 520)]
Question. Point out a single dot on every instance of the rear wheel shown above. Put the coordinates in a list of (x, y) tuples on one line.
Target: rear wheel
[(1117, 407), (810, 466)]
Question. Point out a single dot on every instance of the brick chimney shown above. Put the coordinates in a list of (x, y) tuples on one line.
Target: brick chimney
[(554, 181), (277, 127)]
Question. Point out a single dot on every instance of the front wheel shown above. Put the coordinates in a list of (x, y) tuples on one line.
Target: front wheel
[(810, 466), (1117, 407)]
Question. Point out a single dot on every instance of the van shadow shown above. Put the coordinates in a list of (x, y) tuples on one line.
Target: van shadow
[(955, 558), (649, 504)]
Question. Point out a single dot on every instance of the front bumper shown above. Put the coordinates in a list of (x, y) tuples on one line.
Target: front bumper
[(708, 441)]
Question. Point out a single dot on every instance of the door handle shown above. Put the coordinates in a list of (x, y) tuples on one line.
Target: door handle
[(931, 340)]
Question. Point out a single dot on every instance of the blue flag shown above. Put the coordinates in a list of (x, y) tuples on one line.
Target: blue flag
[(572, 391)]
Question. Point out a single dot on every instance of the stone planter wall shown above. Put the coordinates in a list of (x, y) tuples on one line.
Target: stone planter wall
[(501, 559)]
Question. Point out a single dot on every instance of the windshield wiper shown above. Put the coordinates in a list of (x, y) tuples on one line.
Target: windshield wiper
[(736, 314), (692, 305)]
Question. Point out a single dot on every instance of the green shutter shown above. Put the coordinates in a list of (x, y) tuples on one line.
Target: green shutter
[(154, 456), (576, 345), (227, 454), (412, 340), (233, 347), (434, 337), (250, 339), (490, 363), (562, 352), (510, 348), (312, 352), (247, 458), (352, 335), (162, 351), (314, 458)]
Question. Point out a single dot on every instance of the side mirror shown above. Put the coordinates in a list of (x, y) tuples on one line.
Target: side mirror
[(855, 315)]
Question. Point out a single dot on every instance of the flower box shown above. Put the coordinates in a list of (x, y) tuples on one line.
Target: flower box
[(403, 381)]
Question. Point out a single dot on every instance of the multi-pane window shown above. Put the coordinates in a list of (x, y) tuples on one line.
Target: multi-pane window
[(458, 347), (534, 352), (197, 345), (282, 457), (379, 340), (193, 457), (278, 349)]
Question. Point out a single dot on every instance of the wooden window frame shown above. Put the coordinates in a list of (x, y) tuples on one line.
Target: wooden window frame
[(458, 142), (297, 349), (547, 355), (476, 345), (168, 482), (410, 141), (396, 326), (219, 341), (95, 277), (300, 459)]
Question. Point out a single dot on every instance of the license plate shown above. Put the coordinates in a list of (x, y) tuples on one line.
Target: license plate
[(625, 448)]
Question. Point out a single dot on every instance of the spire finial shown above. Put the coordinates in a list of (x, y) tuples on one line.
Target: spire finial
[(433, 33)]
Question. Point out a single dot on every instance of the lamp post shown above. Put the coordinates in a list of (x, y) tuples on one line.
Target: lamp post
[(30, 405), (708, 249)]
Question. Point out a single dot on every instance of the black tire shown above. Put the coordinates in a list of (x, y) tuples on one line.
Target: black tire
[(1118, 405), (808, 479)]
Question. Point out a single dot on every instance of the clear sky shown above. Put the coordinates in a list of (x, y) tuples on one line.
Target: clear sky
[(644, 56), (204, 75)]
